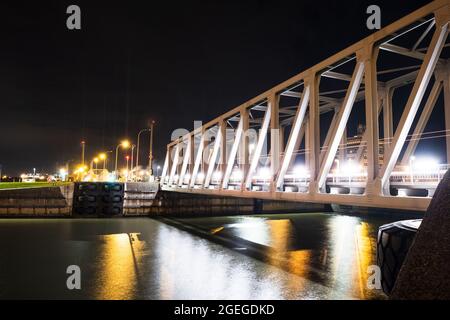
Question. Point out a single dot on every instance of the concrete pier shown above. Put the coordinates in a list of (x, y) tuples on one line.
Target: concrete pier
[(44, 201), (188, 204)]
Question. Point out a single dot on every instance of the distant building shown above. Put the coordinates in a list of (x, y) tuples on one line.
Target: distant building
[(353, 144)]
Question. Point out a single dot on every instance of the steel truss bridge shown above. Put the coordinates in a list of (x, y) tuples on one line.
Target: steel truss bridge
[(228, 156)]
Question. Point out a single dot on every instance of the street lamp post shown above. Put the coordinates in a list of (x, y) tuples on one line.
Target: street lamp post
[(138, 141), (83, 146), (132, 160), (127, 170), (150, 157), (124, 144), (96, 163)]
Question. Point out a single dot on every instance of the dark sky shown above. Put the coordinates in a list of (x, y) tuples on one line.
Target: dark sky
[(173, 62)]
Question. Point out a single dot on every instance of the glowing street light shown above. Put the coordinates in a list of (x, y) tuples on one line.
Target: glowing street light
[(102, 156), (125, 144)]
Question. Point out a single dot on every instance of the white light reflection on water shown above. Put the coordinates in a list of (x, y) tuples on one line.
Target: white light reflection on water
[(192, 268)]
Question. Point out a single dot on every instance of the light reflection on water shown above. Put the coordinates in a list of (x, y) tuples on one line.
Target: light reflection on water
[(334, 250), (194, 269), (118, 267), (303, 256)]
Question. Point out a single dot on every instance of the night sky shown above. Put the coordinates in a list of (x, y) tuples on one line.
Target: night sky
[(173, 62)]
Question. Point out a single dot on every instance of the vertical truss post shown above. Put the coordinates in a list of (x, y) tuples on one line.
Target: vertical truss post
[(341, 123), (370, 56), (294, 136), (387, 116), (257, 152), (233, 153), (244, 145), (213, 158), (423, 119), (307, 141), (281, 139), (174, 167), (415, 98), (223, 146), (314, 133), (343, 151), (186, 158), (166, 166), (274, 134), (191, 154), (198, 158)]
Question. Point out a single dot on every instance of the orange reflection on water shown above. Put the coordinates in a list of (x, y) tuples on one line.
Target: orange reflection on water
[(365, 251), (119, 266), (297, 261)]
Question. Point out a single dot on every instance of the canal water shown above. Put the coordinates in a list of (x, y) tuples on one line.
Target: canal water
[(289, 256)]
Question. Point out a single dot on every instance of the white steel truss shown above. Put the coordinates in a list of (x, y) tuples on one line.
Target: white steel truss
[(304, 120)]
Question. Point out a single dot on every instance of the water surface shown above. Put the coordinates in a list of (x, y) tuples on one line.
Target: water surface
[(302, 256)]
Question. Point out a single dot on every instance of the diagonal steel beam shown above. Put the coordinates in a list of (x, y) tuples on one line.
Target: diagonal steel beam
[(403, 51), (423, 119), (198, 158), (186, 158), (213, 158), (232, 155), (424, 34), (341, 123), (414, 100), (293, 137), (175, 163), (257, 153)]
